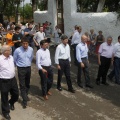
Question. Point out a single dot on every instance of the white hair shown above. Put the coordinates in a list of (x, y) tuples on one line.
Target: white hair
[(4, 48)]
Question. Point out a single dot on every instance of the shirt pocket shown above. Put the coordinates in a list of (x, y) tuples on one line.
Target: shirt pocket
[(62, 51)]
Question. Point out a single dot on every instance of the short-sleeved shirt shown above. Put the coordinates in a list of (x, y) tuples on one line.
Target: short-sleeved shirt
[(30, 38), (106, 50), (17, 37)]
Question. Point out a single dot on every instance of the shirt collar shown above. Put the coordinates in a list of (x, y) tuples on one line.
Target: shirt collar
[(108, 45), (83, 43), (63, 45), (6, 57), (24, 49)]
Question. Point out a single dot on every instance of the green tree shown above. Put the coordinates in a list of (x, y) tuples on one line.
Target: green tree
[(27, 11)]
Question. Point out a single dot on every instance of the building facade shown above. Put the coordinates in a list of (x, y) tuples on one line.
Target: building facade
[(65, 15)]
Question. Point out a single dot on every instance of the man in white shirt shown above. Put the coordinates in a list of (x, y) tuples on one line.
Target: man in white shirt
[(62, 60), (40, 35), (76, 39), (8, 81), (43, 62), (116, 59)]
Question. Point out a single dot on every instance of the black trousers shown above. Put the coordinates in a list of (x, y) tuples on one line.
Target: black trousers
[(117, 69), (65, 68), (103, 68), (24, 74), (46, 79), (85, 72), (74, 52), (6, 86)]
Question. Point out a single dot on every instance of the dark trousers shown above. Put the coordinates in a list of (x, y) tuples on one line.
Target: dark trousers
[(85, 71), (46, 79), (74, 52), (112, 73), (117, 69), (6, 86), (103, 68), (24, 74), (65, 68)]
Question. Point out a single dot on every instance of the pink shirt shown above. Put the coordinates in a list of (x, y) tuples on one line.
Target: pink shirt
[(106, 50), (7, 68)]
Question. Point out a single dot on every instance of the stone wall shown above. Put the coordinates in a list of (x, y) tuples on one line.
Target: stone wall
[(107, 22)]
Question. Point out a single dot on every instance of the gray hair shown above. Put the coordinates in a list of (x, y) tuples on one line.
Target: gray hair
[(109, 37), (4, 48)]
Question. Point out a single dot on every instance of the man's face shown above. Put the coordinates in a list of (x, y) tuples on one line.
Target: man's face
[(30, 26), (109, 41), (41, 29), (65, 41), (84, 39), (45, 46), (7, 52), (25, 45)]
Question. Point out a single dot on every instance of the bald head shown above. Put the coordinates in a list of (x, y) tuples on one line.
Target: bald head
[(6, 50), (84, 38)]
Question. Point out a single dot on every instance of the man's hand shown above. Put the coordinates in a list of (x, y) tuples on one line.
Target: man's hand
[(99, 62), (58, 67), (82, 65), (44, 71)]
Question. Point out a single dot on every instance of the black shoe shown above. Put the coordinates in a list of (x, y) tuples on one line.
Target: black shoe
[(80, 85), (105, 83), (109, 78), (71, 90), (59, 88), (28, 99), (7, 116), (117, 82), (24, 105), (97, 82), (88, 85), (11, 106)]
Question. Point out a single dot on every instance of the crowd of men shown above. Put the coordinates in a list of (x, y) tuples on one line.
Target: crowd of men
[(21, 43)]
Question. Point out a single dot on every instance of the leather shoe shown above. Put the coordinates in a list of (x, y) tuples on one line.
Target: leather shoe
[(97, 82), (105, 83), (88, 85), (71, 90), (80, 85), (28, 99), (24, 105), (12, 106), (45, 97), (7, 116), (59, 88)]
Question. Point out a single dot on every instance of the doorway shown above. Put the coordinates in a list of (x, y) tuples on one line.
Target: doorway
[(60, 19)]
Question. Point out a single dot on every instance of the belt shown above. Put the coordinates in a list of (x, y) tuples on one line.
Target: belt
[(45, 66), (24, 67), (6, 80), (84, 58), (63, 59), (116, 57)]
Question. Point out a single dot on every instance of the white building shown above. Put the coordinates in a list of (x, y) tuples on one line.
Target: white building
[(66, 17)]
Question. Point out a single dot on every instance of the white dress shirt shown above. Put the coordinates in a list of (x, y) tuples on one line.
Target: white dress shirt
[(81, 51), (116, 50), (106, 50), (43, 58), (62, 52), (7, 67), (76, 39)]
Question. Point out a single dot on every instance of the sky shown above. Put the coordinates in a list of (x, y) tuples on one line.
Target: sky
[(27, 1)]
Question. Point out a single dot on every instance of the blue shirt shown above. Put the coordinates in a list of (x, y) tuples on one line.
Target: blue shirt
[(81, 51), (23, 57)]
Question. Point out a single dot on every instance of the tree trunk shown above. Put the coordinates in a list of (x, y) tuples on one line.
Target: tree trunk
[(34, 6), (100, 5)]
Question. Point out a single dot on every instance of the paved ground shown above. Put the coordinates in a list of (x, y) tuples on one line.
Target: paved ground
[(100, 103)]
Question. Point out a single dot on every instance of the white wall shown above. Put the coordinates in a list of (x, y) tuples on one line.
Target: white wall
[(107, 22)]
